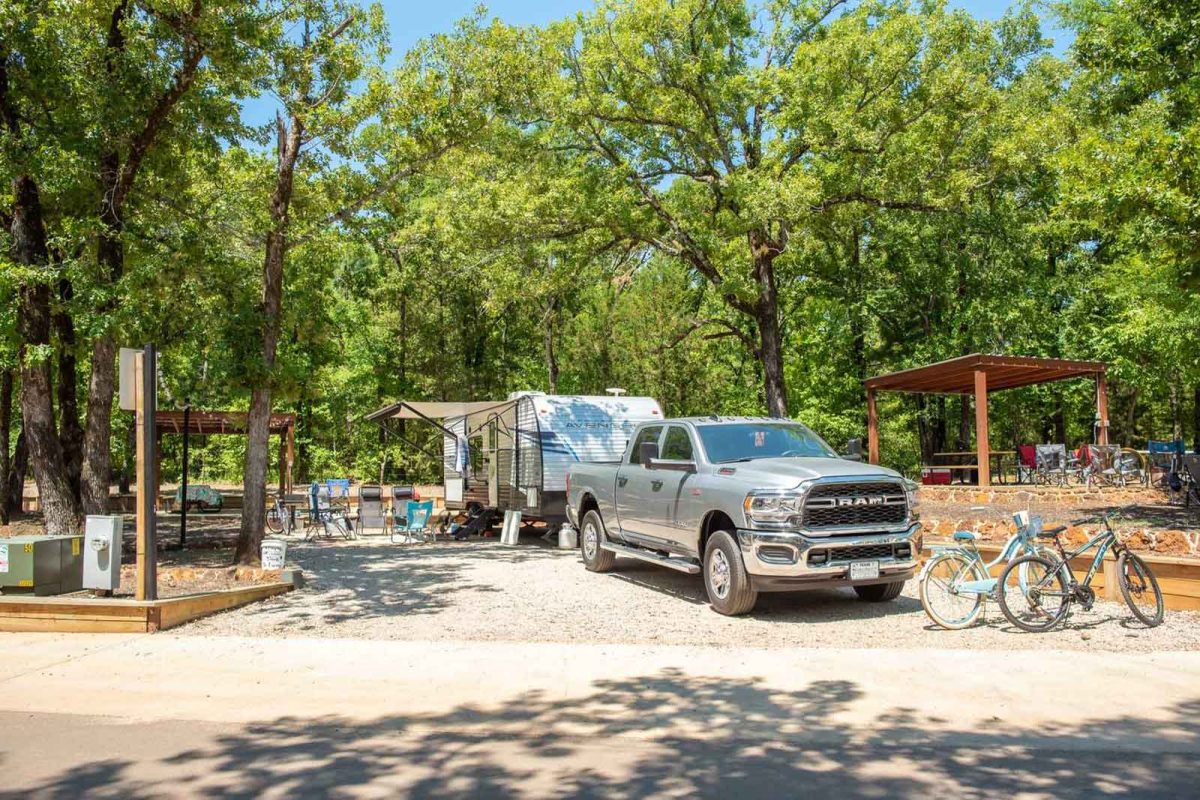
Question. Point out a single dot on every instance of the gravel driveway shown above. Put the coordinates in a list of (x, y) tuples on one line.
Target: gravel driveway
[(483, 591)]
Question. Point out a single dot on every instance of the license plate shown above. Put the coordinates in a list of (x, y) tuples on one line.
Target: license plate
[(864, 570)]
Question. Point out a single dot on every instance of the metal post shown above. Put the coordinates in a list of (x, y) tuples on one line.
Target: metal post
[(187, 412), (148, 488)]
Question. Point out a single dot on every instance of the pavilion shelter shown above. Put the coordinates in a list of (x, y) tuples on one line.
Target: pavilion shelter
[(979, 375)]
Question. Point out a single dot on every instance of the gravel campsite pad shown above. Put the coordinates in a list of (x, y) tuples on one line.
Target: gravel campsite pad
[(483, 591)]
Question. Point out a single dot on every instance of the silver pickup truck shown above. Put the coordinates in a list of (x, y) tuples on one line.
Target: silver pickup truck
[(756, 504)]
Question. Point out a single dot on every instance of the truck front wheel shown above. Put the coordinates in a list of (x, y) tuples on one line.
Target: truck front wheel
[(725, 578), (591, 536), (879, 592)]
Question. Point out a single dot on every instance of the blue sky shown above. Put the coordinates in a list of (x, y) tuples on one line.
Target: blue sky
[(409, 21), (412, 20)]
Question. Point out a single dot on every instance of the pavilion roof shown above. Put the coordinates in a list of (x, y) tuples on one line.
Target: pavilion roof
[(957, 375)]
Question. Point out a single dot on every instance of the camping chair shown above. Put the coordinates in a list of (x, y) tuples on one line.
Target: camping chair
[(1051, 464), (1187, 480), (370, 509), (414, 526), (1163, 461), (1106, 465), (330, 519), (1026, 463)]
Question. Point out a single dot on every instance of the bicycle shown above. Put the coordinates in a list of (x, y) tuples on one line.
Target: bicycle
[(954, 584), (1044, 588), (279, 517)]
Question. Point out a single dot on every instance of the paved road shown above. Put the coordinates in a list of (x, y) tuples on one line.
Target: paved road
[(130, 717)]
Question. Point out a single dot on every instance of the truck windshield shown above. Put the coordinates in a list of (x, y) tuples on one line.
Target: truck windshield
[(743, 441)]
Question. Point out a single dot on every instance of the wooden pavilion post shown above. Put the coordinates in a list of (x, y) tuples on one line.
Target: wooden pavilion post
[(291, 453), (872, 429), (1101, 409), (282, 464), (981, 428)]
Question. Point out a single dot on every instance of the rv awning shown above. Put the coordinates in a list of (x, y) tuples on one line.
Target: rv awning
[(431, 410)]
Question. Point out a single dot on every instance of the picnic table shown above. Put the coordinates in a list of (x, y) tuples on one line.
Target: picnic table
[(997, 457)]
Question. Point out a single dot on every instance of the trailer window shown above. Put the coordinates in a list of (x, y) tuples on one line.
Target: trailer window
[(644, 435)]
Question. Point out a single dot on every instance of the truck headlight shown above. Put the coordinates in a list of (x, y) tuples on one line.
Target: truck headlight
[(913, 496), (773, 509)]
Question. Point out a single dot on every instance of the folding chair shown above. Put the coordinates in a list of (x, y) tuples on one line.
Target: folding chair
[(330, 519), (414, 526), (1163, 461), (1104, 465), (1189, 478), (1026, 463), (1050, 464), (370, 509)]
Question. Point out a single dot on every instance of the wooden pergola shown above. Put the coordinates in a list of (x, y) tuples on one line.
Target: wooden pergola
[(213, 423), (980, 374)]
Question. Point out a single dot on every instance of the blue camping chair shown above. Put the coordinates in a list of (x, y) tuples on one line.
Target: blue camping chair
[(414, 525), (1163, 461)]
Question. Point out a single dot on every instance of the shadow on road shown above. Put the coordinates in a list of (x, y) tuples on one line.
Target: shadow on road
[(662, 734)]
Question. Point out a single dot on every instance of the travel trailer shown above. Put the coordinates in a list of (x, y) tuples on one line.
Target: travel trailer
[(513, 454)]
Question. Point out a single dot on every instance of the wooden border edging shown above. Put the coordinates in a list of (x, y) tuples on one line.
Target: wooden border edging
[(1178, 578), (84, 615)]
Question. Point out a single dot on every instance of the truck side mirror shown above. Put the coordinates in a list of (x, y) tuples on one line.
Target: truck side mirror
[(648, 453), (853, 450)]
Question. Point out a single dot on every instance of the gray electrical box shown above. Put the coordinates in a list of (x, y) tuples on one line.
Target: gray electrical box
[(41, 565), (102, 553)]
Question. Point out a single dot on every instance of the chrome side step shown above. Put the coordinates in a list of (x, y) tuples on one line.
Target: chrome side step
[(689, 567)]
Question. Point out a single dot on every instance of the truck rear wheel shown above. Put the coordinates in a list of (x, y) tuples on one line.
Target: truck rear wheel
[(725, 578), (591, 536), (879, 592)]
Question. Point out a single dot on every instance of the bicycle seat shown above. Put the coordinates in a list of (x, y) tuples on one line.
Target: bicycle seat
[(964, 536), (1050, 533)]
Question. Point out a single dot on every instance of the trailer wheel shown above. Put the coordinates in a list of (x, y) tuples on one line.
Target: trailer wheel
[(591, 536)]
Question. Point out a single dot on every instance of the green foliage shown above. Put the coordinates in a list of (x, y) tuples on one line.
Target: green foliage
[(588, 205)]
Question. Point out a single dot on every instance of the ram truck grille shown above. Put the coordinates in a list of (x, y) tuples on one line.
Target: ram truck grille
[(855, 505)]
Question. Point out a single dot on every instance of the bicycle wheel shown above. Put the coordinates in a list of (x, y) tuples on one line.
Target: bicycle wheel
[(945, 606), (1033, 593), (274, 520), (1140, 589)]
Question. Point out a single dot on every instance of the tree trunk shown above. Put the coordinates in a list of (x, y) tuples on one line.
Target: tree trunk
[(254, 494), (770, 350), (6, 395), (1196, 418), (60, 508), (551, 358), (1176, 410), (964, 423), (14, 491), (70, 433), (110, 256)]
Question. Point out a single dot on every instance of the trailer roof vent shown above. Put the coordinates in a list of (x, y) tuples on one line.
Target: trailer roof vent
[(615, 391)]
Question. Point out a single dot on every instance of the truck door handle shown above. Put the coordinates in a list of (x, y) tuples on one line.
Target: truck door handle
[(622, 481), (656, 485)]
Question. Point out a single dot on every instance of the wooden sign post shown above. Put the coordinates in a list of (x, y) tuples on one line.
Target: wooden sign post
[(139, 388)]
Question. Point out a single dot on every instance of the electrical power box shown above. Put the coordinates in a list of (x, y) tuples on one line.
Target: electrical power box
[(41, 565), (102, 553)]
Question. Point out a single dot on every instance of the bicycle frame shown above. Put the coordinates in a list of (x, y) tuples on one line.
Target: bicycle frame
[(1102, 541), (987, 586)]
